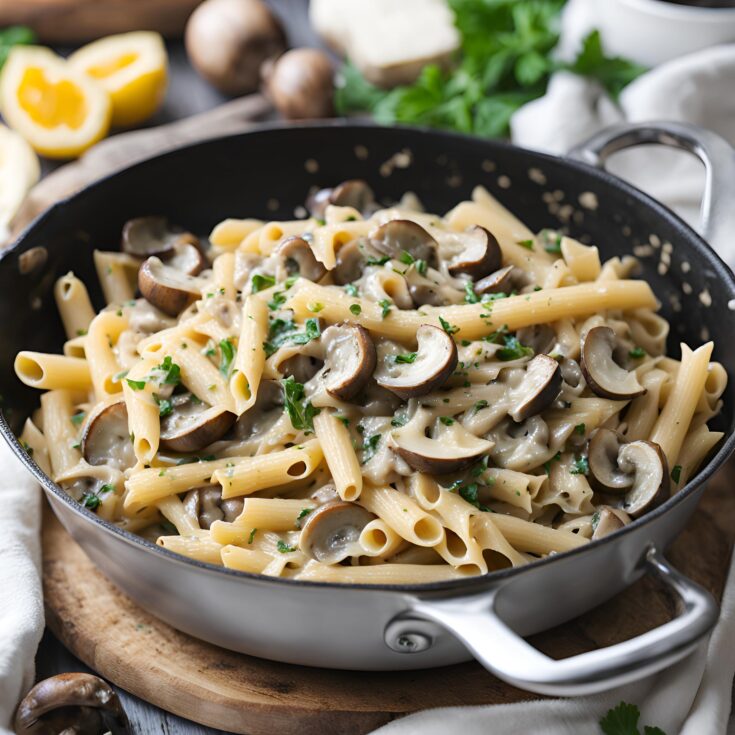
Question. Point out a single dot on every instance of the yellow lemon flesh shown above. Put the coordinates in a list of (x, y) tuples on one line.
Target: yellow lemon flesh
[(132, 67), (19, 171), (58, 110)]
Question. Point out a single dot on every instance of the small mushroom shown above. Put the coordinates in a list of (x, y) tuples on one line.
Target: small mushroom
[(331, 532), (539, 389), (71, 703), (166, 288), (424, 292), (505, 280), (106, 437), (638, 469), (607, 520), (298, 259), (604, 375), (481, 255), (350, 262), (402, 235), (354, 193), (434, 361), (541, 338), (146, 236), (192, 425), (325, 494), (187, 258), (453, 449), (349, 360), (205, 506)]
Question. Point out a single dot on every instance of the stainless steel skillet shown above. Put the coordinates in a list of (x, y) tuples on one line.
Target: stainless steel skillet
[(267, 173)]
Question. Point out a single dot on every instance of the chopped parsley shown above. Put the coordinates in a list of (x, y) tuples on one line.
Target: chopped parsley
[(528, 244), (446, 420), (470, 296), (552, 242), (547, 465), (580, 429), (637, 352), (370, 447), (377, 261), (676, 473), (77, 418), (278, 300), (81, 332), (356, 309), (623, 720), (406, 258), (470, 494), (447, 327), (513, 350), (406, 358), (299, 409), (300, 517), (27, 448), (351, 289), (227, 356), (92, 500), (260, 282), (399, 420), (315, 307), (210, 350), (580, 466), (284, 548), (165, 406), (343, 419), (135, 384), (480, 405), (282, 331), (167, 373), (385, 305), (253, 531)]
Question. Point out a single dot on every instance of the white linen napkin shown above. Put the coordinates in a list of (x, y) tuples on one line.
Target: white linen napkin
[(21, 599), (694, 696)]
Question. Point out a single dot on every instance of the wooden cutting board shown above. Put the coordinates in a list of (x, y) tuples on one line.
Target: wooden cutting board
[(75, 21), (241, 694)]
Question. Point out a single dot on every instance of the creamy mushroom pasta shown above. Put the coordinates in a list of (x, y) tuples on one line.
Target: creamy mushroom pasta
[(376, 395)]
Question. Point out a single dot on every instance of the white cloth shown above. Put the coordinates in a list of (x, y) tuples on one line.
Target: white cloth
[(694, 696), (21, 600)]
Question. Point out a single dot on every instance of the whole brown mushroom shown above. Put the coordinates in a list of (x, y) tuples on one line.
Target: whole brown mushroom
[(228, 41), (300, 84)]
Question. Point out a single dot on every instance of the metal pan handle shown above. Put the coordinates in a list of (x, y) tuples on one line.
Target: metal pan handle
[(474, 620), (717, 155)]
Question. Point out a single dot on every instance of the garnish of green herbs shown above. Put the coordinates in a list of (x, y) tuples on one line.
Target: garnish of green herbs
[(300, 517), (406, 358), (581, 466), (580, 429), (92, 500), (355, 309), (385, 306), (470, 494), (351, 290), (505, 60), (370, 447), (135, 384), (447, 327), (14, 36), (513, 350), (284, 548), (470, 296), (165, 406), (167, 373), (623, 720), (282, 331), (253, 531), (77, 418), (298, 408), (528, 244), (343, 419), (637, 352), (480, 405), (227, 356), (552, 242), (377, 261), (446, 420), (676, 473), (259, 282), (400, 420), (547, 465)]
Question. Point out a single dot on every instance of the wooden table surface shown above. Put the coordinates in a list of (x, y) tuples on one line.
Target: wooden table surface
[(187, 95)]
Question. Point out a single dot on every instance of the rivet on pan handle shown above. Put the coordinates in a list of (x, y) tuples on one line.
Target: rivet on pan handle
[(504, 653), (717, 155)]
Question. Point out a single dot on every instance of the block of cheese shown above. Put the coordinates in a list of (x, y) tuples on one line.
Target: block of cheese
[(390, 41)]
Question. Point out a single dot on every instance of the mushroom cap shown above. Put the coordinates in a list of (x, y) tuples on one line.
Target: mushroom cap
[(481, 255), (608, 521), (502, 280), (106, 437), (399, 235), (166, 288), (451, 451), (61, 701), (331, 531), (541, 338), (146, 236), (539, 389), (436, 359), (349, 360), (651, 485), (354, 193), (602, 456), (603, 375), (350, 263), (296, 251), (187, 257), (193, 425)]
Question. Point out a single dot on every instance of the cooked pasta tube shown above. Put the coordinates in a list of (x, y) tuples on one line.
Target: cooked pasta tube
[(201, 548), (273, 514), (526, 536), (52, 372), (250, 358), (104, 332), (377, 538), (75, 347), (698, 443), (340, 455), (144, 420), (75, 308), (59, 430), (117, 274), (229, 233), (473, 321), (245, 560), (172, 509), (34, 442), (381, 573)]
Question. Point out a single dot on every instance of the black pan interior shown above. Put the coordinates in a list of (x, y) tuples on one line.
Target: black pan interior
[(268, 174)]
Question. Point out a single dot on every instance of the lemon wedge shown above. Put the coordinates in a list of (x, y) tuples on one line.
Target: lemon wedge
[(132, 67), (19, 171), (60, 111)]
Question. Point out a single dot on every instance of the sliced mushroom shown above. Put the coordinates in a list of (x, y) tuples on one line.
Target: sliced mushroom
[(205, 506), (302, 367), (453, 449), (325, 494), (638, 469), (607, 520), (187, 258), (349, 360), (402, 235), (354, 193), (146, 236), (424, 292), (71, 703), (330, 532), (540, 337), (573, 381), (106, 437), (505, 280), (298, 259), (350, 263), (604, 375), (193, 425), (166, 288), (539, 389), (377, 401), (481, 255), (435, 360)]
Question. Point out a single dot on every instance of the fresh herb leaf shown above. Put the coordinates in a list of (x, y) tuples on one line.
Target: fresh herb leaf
[(421, 266), (253, 531), (90, 500), (406, 358), (370, 447), (580, 429), (281, 332), (479, 405), (676, 473), (299, 409), (227, 355), (315, 307), (547, 465), (377, 261), (623, 720), (135, 384), (513, 350), (399, 420), (581, 466), (637, 352), (165, 406), (470, 494), (470, 296), (385, 305), (356, 309), (14, 36), (261, 281), (447, 327), (528, 244), (406, 258), (284, 548), (27, 448), (77, 418), (595, 520), (351, 290), (446, 420), (300, 517), (343, 419), (167, 373)]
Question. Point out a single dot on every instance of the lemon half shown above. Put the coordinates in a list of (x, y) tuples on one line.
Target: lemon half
[(19, 171), (132, 67), (60, 111)]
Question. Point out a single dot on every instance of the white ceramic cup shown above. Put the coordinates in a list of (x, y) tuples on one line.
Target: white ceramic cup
[(653, 31)]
